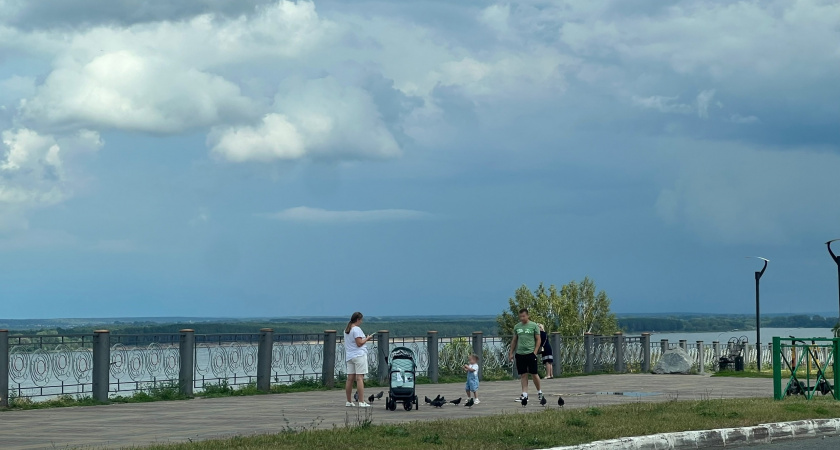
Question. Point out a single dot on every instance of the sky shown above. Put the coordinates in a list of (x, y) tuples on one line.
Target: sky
[(288, 158)]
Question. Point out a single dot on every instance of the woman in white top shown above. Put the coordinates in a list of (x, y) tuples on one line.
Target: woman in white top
[(356, 358)]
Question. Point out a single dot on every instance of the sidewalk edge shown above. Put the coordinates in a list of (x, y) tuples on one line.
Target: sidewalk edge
[(723, 437)]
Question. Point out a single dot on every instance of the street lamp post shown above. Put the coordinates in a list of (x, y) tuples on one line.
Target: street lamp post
[(836, 261), (758, 313)]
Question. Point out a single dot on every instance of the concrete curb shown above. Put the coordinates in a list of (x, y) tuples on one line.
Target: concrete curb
[(724, 437)]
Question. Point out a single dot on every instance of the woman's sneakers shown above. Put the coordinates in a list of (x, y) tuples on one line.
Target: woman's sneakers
[(363, 405), (349, 404)]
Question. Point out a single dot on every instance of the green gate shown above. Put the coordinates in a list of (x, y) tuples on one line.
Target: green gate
[(808, 360)]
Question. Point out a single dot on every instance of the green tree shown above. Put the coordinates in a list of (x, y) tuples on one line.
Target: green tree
[(576, 308)]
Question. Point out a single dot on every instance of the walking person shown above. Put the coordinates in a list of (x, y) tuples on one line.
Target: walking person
[(356, 358), (547, 355), (526, 344)]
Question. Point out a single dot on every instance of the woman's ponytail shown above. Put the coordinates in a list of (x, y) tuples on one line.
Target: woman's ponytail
[(354, 318)]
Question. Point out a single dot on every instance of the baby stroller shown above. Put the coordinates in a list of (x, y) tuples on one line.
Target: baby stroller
[(401, 371)]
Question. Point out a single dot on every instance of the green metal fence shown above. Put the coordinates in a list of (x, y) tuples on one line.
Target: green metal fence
[(813, 365)]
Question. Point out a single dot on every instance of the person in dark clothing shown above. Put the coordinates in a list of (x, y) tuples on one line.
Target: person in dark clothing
[(547, 355)]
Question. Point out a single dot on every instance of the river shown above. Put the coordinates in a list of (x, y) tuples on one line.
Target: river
[(767, 335)]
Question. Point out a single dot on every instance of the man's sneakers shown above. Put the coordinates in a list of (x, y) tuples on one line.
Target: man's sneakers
[(363, 405), (477, 401)]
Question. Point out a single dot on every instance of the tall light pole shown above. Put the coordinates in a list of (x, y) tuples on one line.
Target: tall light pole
[(758, 312), (836, 261)]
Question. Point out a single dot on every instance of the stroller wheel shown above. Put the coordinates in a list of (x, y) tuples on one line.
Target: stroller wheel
[(407, 406)]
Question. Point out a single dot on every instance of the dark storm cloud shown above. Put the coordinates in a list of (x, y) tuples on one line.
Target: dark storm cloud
[(38, 14)]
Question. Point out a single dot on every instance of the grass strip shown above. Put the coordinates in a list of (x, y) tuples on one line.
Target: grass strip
[(551, 427)]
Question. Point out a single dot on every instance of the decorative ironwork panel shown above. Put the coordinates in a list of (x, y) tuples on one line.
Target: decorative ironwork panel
[(229, 358), (135, 368), (604, 353), (453, 354), (50, 365), (299, 356), (495, 358), (633, 353)]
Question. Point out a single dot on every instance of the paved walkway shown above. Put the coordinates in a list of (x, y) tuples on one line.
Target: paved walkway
[(115, 426)]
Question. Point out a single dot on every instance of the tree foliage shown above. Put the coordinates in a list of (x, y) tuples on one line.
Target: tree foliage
[(576, 308)]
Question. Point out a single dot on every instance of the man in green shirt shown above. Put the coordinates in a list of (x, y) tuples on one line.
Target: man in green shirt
[(526, 344)]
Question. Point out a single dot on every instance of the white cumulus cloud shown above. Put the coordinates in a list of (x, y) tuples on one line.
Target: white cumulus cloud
[(319, 118), (127, 91)]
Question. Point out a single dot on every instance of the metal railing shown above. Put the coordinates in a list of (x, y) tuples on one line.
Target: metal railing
[(102, 365)]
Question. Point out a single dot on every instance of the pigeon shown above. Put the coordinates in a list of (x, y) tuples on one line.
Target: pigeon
[(436, 398), (543, 401), (428, 400), (438, 403), (524, 401), (356, 396), (380, 394), (470, 402), (560, 401), (371, 398), (442, 399), (456, 401)]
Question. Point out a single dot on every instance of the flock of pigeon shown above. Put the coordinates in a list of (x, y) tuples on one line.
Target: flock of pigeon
[(371, 398), (440, 401), (543, 401)]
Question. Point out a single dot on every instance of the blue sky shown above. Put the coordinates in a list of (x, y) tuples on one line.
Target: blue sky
[(264, 158)]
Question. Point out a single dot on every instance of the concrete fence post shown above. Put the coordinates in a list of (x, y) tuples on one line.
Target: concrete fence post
[(186, 373), (701, 357), (101, 364), (383, 347), (663, 344), (4, 368), (478, 349), (328, 367), (684, 345), (434, 359), (618, 343), (589, 350), (556, 342), (716, 350), (645, 352), (264, 349)]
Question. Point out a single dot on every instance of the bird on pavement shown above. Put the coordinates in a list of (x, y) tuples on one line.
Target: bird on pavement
[(438, 403), (442, 399), (380, 394), (560, 401), (428, 400), (524, 401), (470, 402), (456, 401), (543, 401), (356, 396), (436, 398), (371, 398)]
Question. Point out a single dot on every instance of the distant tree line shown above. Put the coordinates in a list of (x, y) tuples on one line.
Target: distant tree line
[(445, 328), (450, 327)]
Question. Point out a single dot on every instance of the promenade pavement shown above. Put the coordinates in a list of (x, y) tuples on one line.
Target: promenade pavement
[(120, 425)]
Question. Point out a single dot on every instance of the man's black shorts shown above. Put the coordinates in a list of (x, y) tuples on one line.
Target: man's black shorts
[(526, 364)]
